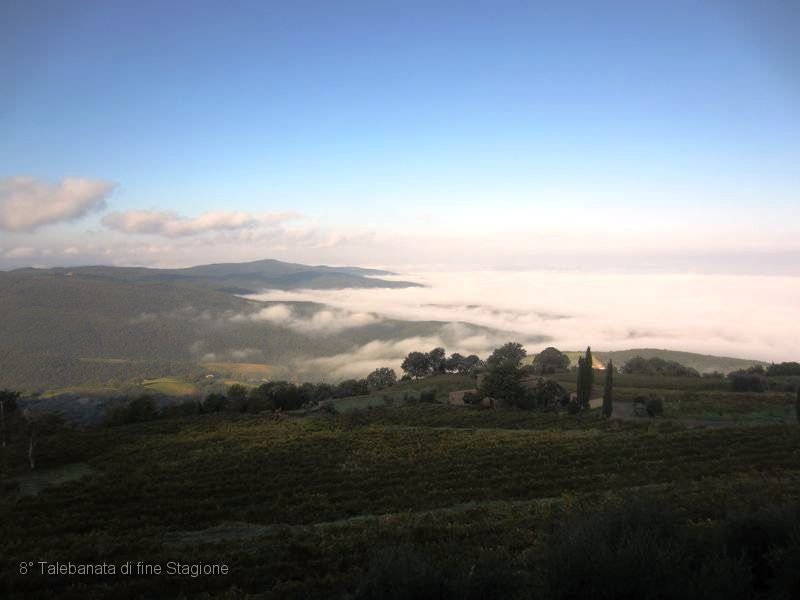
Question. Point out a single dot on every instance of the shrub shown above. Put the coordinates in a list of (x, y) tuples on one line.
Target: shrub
[(642, 550), (748, 381), (655, 406), (472, 398), (427, 396), (137, 410), (215, 403)]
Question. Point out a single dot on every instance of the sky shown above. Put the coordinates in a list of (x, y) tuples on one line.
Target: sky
[(656, 137)]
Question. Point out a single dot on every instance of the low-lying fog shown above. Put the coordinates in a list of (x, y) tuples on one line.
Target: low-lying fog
[(730, 315)]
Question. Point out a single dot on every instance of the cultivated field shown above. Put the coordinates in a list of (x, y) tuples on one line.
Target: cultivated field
[(309, 506)]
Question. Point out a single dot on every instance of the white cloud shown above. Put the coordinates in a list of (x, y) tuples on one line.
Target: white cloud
[(27, 203), (323, 321), (21, 252), (171, 224)]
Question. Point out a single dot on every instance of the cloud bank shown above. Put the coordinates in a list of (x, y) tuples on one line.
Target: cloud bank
[(27, 204), (742, 316), (171, 224)]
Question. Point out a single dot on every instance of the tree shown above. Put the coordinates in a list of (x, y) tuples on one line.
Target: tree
[(511, 353), (748, 380), (582, 398), (472, 364), (258, 399), (551, 360), (584, 382), (437, 361), (608, 391), (352, 387), (546, 394), (797, 405), (417, 365), (323, 391), (455, 363), (381, 378), (657, 366), (503, 381), (215, 403), (142, 409), (783, 369), (589, 374), (38, 424), (8, 405), (237, 396)]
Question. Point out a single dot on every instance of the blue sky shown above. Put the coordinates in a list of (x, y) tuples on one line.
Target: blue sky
[(381, 123)]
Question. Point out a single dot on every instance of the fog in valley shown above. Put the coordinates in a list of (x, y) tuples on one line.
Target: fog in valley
[(731, 315)]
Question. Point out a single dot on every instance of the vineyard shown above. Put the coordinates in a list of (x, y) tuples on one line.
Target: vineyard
[(310, 506)]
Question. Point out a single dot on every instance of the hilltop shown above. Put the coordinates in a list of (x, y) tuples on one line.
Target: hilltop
[(237, 278)]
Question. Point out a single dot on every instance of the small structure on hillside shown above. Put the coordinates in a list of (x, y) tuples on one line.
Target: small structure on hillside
[(489, 402), (457, 397)]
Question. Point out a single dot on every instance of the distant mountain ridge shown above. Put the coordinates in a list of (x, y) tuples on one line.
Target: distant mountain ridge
[(238, 278), (701, 362)]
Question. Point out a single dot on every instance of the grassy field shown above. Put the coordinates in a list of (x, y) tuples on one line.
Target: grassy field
[(171, 386), (82, 390), (247, 371)]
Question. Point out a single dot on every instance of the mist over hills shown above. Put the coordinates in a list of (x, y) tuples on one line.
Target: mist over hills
[(90, 324), (73, 326)]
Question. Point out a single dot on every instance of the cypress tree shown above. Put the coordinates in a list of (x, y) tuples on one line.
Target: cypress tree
[(797, 405), (581, 381), (584, 383), (608, 392), (589, 375)]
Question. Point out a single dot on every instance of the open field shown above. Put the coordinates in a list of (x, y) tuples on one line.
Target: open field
[(171, 386), (247, 371)]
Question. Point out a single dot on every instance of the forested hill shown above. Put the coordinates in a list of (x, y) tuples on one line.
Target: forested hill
[(238, 278), (701, 362), (70, 326)]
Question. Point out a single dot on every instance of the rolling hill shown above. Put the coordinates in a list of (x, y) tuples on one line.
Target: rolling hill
[(71, 327), (701, 362), (238, 278)]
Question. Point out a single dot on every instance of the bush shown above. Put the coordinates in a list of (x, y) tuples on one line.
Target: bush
[(137, 410), (215, 403), (748, 381), (472, 398), (637, 551), (182, 409), (427, 396), (655, 406), (418, 572)]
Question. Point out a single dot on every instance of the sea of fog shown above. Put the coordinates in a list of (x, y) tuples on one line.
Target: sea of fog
[(746, 316)]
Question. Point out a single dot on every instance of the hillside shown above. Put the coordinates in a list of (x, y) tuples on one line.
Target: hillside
[(239, 278), (701, 362), (72, 327)]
